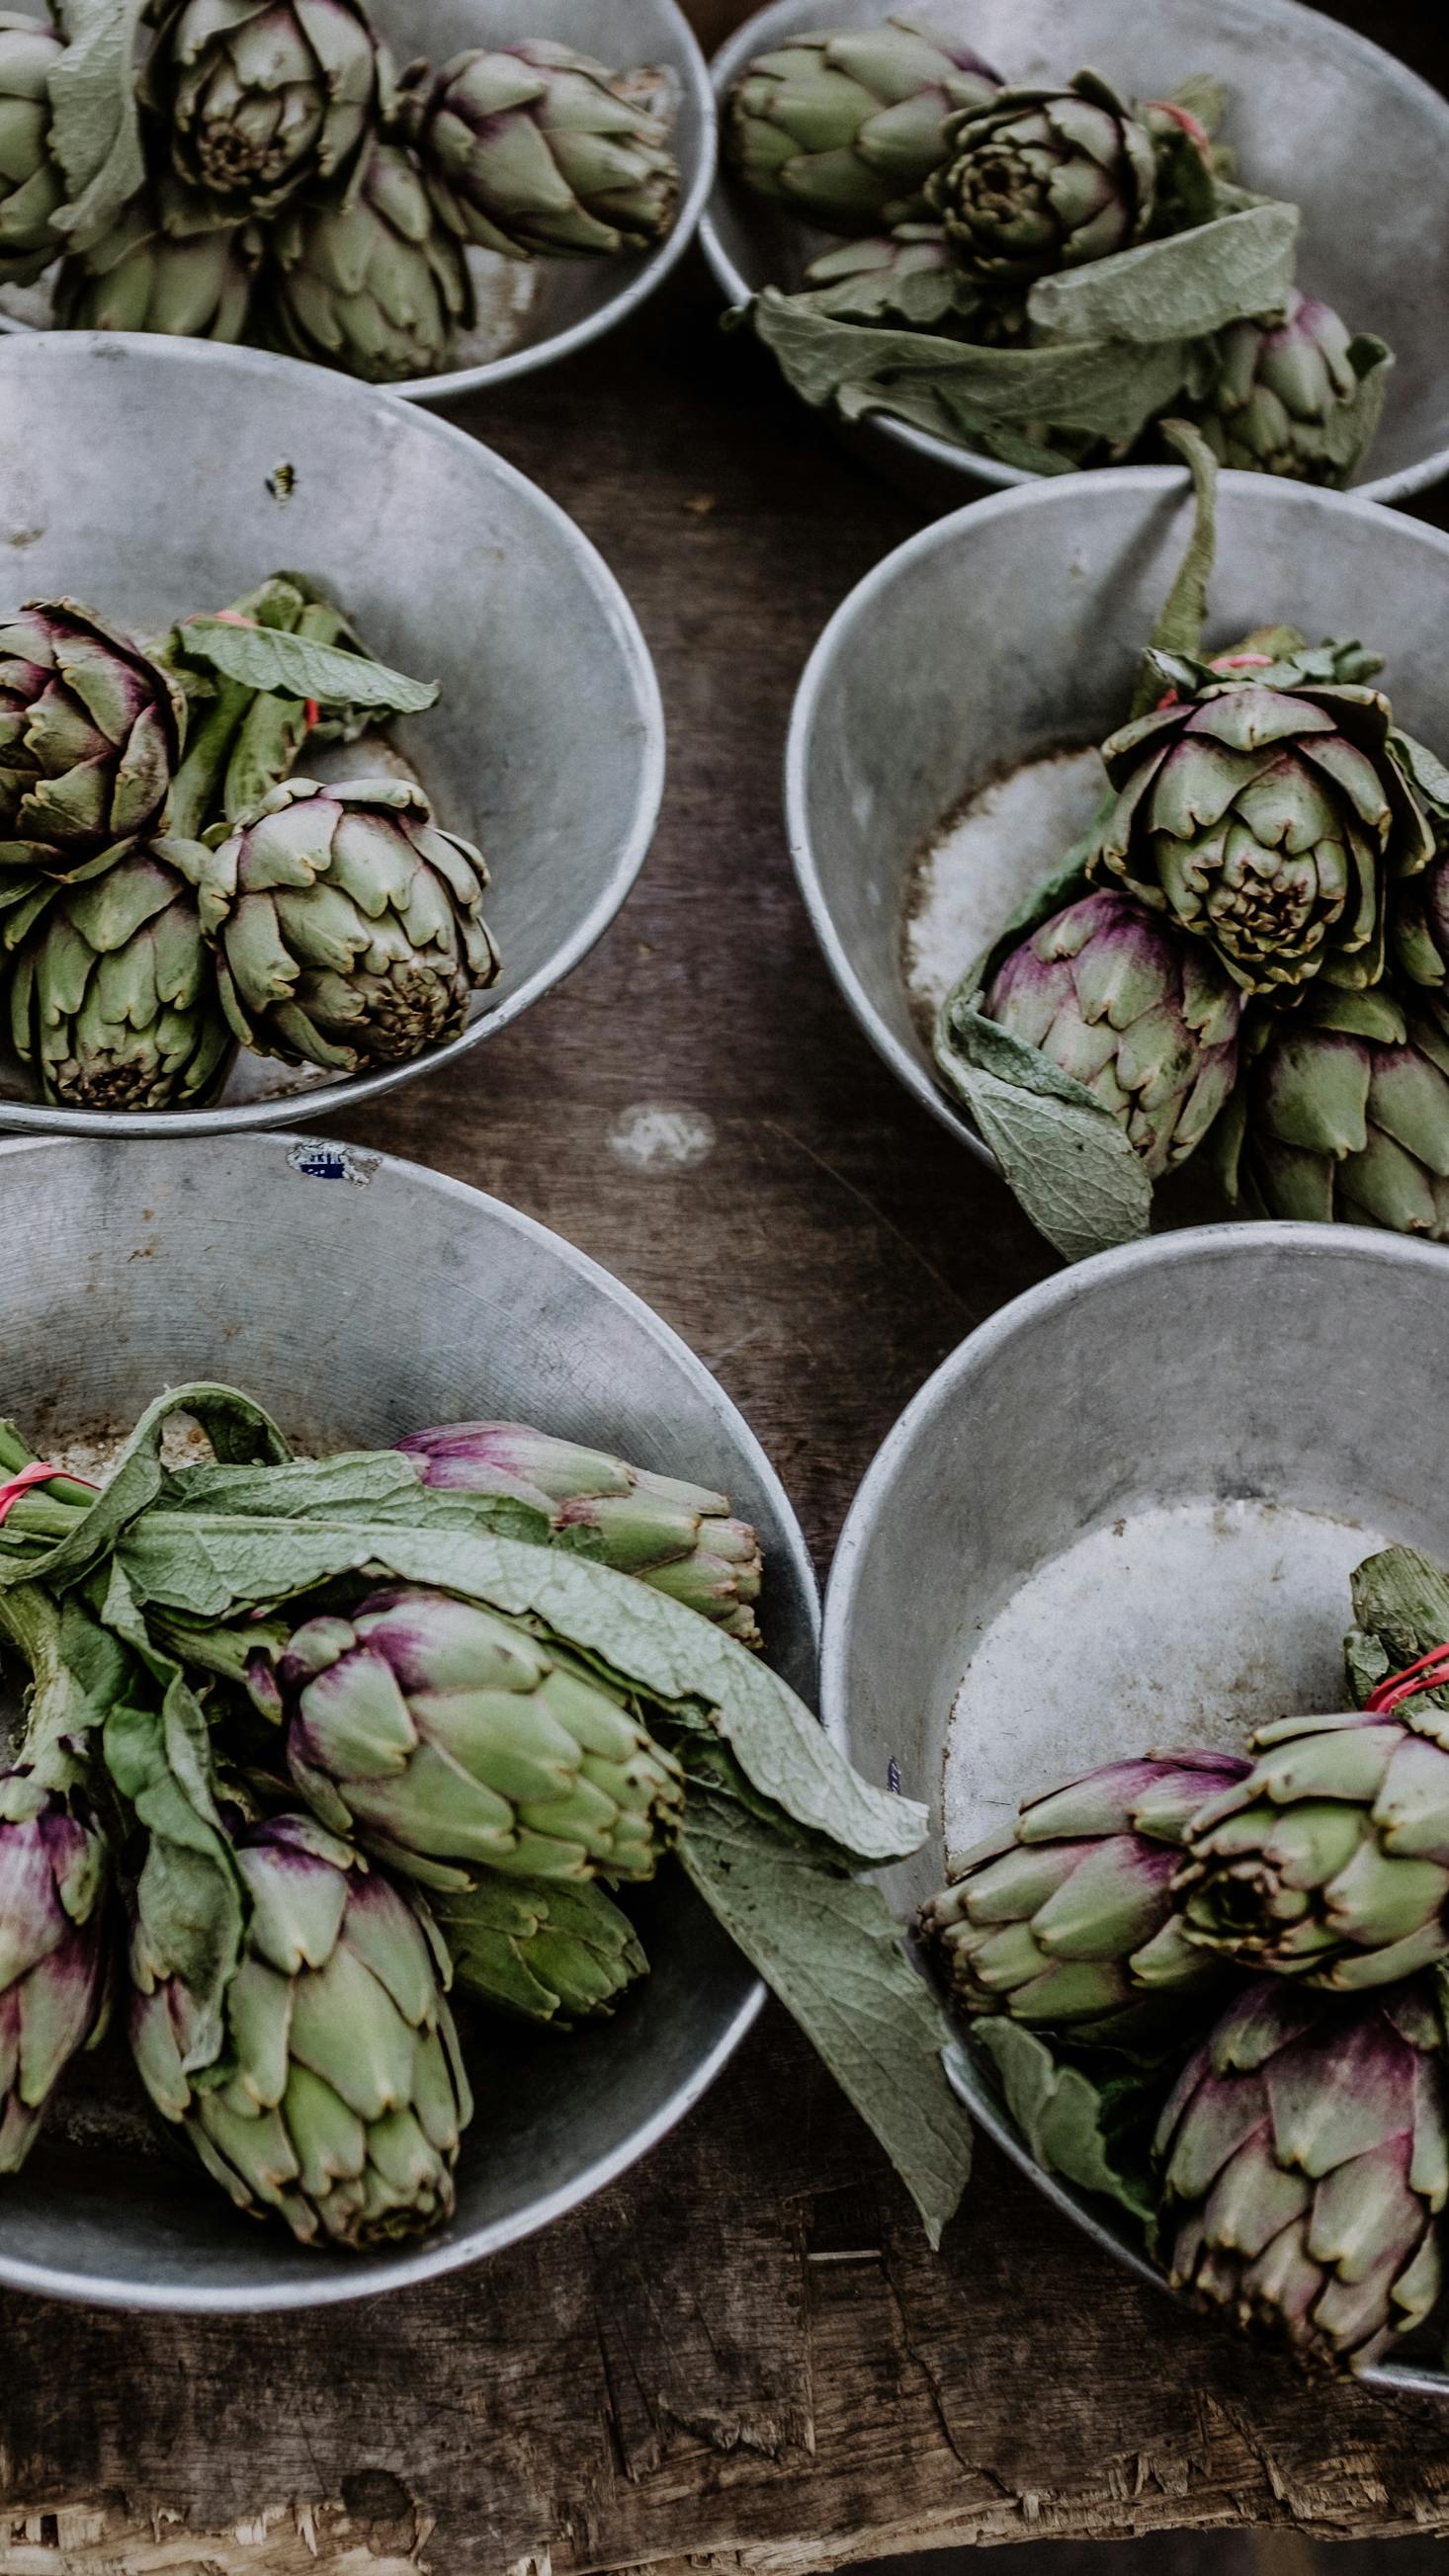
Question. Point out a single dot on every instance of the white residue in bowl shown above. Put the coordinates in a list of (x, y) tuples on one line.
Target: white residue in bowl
[(985, 860)]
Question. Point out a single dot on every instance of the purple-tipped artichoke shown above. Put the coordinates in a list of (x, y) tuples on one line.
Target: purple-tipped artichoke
[(537, 151), (1143, 1019), (341, 2097), (1345, 1114), (1328, 1860), (677, 1537), (348, 927), (1067, 1918), (54, 1881), (1039, 180), (1305, 2161), (846, 127), (90, 737), (1288, 397), (33, 186), (441, 1732), (258, 98), (373, 282)]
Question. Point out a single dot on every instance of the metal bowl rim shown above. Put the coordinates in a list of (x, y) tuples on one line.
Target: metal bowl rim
[(326, 1099), (1042, 492), (1381, 65), (648, 272), (430, 2259), (977, 1353)]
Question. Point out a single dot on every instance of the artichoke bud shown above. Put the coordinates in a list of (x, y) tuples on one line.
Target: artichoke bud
[(262, 98), (55, 1882), (545, 1949), (373, 282), (1286, 397), (33, 186), (160, 269), (1345, 1115), (91, 730), (846, 128), (1039, 180)]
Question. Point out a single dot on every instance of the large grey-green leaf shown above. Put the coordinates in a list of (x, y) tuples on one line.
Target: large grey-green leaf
[(830, 1948), (95, 122), (361, 1485), (1063, 1154), (1058, 2110), (293, 666), (1180, 628), (1183, 288)]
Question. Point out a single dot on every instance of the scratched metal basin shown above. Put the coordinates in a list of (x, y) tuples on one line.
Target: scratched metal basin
[(152, 477), (531, 316), (358, 1298), (1124, 1514), (1317, 115)]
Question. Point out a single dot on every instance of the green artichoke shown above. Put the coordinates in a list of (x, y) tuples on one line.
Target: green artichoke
[(374, 282), (441, 1732), (113, 994), (1329, 1859), (545, 1949), (1067, 1918), (91, 731), (340, 2098), (33, 187), (1419, 936), (680, 1538), (1269, 821), (151, 274), (540, 152), (259, 98), (846, 127), (1145, 1021), (1038, 180), (347, 926), (1288, 397), (907, 275), (1345, 1114), (1305, 2162)]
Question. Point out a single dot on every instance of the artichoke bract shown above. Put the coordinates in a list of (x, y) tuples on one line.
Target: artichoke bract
[(1287, 395), (1040, 180), (1144, 1020), (1305, 2161), (680, 1538), (113, 992), (1067, 1918), (537, 151), (348, 927), (1345, 1115), (262, 97), (33, 186), (341, 2096), (442, 1732), (144, 275), (91, 730), (54, 1885), (1329, 1860), (550, 1951), (374, 282), (846, 127), (1268, 821)]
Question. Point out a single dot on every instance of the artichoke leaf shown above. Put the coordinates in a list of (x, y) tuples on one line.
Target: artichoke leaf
[(276, 662), (1063, 1155), (366, 1484), (1401, 1611), (1182, 288), (95, 121), (1061, 2114)]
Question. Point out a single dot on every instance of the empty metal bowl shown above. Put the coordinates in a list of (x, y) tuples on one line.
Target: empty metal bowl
[(151, 478), (1316, 115), (531, 314), (941, 760), (1123, 1515), (359, 1298)]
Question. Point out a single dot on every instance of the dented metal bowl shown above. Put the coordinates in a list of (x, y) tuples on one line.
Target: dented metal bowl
[(1317, 114), (1124, 1514)]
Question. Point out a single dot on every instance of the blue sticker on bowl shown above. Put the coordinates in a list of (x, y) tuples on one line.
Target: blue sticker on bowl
[(333, 1163)]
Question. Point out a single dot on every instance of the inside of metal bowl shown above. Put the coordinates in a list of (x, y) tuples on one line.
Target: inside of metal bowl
[(1316, 115), (124, 1272)]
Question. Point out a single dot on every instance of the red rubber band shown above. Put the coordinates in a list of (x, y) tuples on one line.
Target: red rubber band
[(39, 1474), (1429, 1673), (1190, 124)]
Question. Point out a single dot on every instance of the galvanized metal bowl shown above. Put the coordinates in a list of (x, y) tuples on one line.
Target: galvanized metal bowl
[(359, 1298), (532, 315), (1124, 1514), (1317, 115), (152, 477), (940, 759)]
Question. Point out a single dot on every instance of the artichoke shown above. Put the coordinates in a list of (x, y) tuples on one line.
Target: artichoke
[(1345, 1114), (374, 282), (341, 2097), (1067, 1918), (1305, 2161), (1266, 820), (679, 1538), (543, 1949), (847, 127), (90, 736), (1419, 935), (113, 996), (441, 1732), (1329, 1859), (1286, 398), (33, 187), (1039, 180), (145, 275), (539, 152), (1145, 1021), (347, 926), (258, 98), (907, 275)]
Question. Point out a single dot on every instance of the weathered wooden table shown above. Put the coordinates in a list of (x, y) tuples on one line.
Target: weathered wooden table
[(744, 2354)]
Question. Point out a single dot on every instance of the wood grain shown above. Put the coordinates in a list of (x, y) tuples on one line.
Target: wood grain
[(743, 2357)]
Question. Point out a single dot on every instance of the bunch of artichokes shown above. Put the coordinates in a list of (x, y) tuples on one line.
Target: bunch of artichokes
[(271, 179)]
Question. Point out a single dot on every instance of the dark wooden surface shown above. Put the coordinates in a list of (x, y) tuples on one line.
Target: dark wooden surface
[(743, 2356)]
